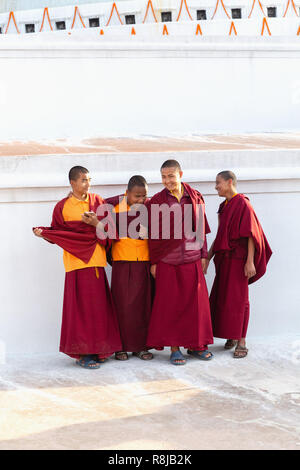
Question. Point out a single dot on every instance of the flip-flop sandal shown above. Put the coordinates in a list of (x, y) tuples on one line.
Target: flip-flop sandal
[(87, 362), (143, 355), (240, 352), (121, 356), (177, 356), (230, 343), (98, 360), (201, 355)]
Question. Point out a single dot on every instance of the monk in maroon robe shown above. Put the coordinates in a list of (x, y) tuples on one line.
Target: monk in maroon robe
[(241, 253), (181, 314), (89, 329), (131, 280)]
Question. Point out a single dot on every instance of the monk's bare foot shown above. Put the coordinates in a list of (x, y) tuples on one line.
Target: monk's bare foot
[(205, 355), (121, 356), (144, 355), (230, 343), (179, 360), (240, 351)]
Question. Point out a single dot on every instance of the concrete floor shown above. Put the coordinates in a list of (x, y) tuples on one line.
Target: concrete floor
[(47, 402)]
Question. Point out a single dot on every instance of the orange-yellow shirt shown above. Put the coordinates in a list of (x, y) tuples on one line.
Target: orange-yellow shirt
[(129, 249), (73, 209)]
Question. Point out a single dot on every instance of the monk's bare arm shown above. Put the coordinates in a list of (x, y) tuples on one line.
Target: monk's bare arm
[(153, 270), (249, 268), (211, 250)]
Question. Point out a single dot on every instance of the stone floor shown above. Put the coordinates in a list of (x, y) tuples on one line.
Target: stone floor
[(47, 402), (154, 144)]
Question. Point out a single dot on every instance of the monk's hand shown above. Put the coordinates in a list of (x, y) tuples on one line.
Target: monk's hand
[(153, 270), (205, 263), (38, 232), (90, 218), (249, 269)]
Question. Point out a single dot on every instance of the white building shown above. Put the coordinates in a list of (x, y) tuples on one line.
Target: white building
[(193, 77)]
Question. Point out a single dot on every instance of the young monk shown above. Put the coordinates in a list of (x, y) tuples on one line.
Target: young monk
[(131, 282), (89, 329), (181, 313), (241, 253)]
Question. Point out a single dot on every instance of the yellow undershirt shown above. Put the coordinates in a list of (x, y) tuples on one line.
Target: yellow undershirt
[(226, 202), (177, 197), (129, 249), (73, 209)]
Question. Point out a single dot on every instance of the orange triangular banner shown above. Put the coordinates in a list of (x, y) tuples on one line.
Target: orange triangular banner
[(101, 32), (165, 30), (150, 5), (287, 7), (133, 31), (298, 32), (265, 24), (114, 7), (46, 13), (77, 12), (260, 6), (183, 2), (217, 6), (232, 28), (12, 17), (198, 30)]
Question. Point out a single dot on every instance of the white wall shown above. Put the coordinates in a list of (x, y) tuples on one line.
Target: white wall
[(32, 273), (70, 86)]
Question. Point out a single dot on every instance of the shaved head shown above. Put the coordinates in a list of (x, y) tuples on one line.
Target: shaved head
[(171, 164), (228, 175)]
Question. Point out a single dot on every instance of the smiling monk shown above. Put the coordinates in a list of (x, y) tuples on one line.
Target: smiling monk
[(181, 313), (89, 329), (241, 253)]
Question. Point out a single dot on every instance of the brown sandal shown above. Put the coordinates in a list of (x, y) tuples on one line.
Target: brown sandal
[(121, 356), (230, 343), (144, 355), (240, 352)]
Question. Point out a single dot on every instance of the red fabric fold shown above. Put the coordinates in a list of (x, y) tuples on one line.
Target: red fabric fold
[(238, 222), (76, 237)]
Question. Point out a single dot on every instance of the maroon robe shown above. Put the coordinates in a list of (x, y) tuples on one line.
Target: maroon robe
[(181, 313), (89, 322), (76, 237), (132, 292), (229, 298)]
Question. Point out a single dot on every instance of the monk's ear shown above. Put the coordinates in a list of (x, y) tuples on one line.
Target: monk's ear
[(181, 173)]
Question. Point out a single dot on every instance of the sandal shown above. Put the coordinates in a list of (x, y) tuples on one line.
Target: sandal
[(201, 354), (144, 355), (88, 362), (121, 356), (240, 352), (177, 356), (230, 343), (98, 360)]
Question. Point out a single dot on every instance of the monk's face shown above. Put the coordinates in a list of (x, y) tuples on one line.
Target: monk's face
[(224, 187), (82, 184), (171, 178), (136, 195)]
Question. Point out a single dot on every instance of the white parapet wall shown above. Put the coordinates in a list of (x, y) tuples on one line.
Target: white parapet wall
[(32, 274), (83, 84)]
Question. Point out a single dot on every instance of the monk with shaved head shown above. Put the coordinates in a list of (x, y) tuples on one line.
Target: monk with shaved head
[(241, 253), (181, 314)]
